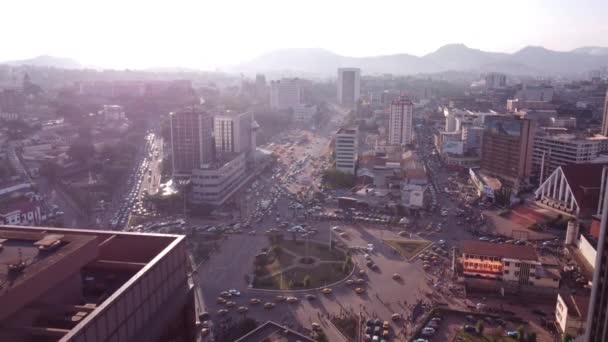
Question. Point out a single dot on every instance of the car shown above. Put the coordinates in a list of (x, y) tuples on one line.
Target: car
[(205, 332), (433, 325), (311, 297), (359, 290), (326, 290), (268, 306), (221, 300), (225, 294), (513, 334), (421, 340), (242, 309), (280, 299), (396, 276), (234, 292), (204, 316), (350, 282), (361, 273), (360, 281), (469, 328), (292, 300), (427, 332), (230, 304), (385, 325), (254, 301), (222, 312)]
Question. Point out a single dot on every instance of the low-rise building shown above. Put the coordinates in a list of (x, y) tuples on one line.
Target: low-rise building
[(215, 183), (113, 112), (303, 113), (571, 313)]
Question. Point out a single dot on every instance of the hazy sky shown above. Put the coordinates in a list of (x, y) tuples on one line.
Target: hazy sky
[(205, 34)]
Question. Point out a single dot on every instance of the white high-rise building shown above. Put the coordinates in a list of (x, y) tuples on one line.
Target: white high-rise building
[(400, 130), (232, 132), (285, 93), (349, 82), (347, 149)]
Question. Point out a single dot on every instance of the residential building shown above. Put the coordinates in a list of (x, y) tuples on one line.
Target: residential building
[(233, 131), (285, 93), (541, 92), (78, 285), (514, 105), (303, 113), (506, 263), (495, 80), (571, 313), (400, 125), (192, 143), (561, 121), (346, 149), (349, 80), (216, 182), (507, 147), (554, 150), (605, 116), (573, 189)]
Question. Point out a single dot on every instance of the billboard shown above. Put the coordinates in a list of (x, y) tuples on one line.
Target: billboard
[(455, 147)]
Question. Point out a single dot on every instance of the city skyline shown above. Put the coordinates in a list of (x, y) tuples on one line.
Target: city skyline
[(187, 36)]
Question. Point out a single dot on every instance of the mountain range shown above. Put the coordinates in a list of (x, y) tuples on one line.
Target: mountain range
[(531, 60), (452, 57)]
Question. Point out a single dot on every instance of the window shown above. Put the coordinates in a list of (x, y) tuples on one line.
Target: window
[(507, 263), (516, 273), (506, 271), (517, 264)]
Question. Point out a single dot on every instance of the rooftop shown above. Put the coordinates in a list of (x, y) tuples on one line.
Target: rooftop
[(347, 130), (501, 250), (585, 182), (577, 304)]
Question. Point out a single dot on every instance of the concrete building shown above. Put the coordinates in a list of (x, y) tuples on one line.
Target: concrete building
[(113, 112), (216, 182), (83, 285), (400, 124), (495, 80), (507, 148), (571, 313), (514, 105), (574, 189), (233, 132), (304, 113), (285, 93), (566, 122), (605, 117), (349, 83), (506, 263), (542, 93), (553, 151), (346, 149), (471, 138), (192, 143)]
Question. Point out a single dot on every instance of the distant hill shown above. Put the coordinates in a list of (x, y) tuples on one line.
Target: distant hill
[(47, 61), (453, 57)]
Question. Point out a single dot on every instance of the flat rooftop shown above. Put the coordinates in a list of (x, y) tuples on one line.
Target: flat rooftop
[(501, 250), (54, 281), (347, 130)]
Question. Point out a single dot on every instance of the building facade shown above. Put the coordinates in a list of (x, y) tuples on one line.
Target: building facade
[(215, 183), (400, 125), (349, 83), (304, 113), (192, 143), (605, 117), (571, 314), (495, 80), (285, 93), (346, 149), (507, 146), (232, 132)]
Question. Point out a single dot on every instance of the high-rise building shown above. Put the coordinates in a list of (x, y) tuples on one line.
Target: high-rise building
[(285, 93), (400, 130), (506, 151), (232, 132), (73, 285), (495, 80), (349, 82), (605, 117), (346, 146), (191, 140), (597, 317)]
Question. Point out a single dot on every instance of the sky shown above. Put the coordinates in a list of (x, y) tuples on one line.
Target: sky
[(208, 34)]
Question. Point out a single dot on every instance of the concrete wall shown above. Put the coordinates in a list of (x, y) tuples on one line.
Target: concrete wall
[(587, 250)]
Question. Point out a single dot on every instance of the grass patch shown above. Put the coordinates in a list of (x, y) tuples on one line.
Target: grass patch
[(408, 248), (317, 250), (305, 278), (280, 262)]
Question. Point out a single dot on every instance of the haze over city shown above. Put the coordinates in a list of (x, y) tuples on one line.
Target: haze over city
[(210, 34), (317, 171)]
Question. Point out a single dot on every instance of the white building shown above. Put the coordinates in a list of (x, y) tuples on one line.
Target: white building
[(217, 182), (553, 151), (535, 93), (285, 93), (349, 83), (346, 148), (400, 130), (412, 196), (571, 313), (495, 80), (303, 113), (233, 132), (567, 122), (113, 112)]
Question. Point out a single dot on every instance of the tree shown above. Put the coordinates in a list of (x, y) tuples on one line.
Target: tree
[(532, 337), (335, 178), (503, 196), (306, 281), (566, 338), (521, 333)]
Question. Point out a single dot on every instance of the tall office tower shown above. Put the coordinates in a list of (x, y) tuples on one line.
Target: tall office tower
[(605, 117), (349, 81), (495, 80), (597, 316), (346, 146), (232, 132), (191, 140), (285, 93), (400, 130), (506, 150)]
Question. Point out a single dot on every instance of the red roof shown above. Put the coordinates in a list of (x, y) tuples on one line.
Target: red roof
[(501, 250), (585, 182), (22, 205)]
